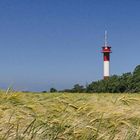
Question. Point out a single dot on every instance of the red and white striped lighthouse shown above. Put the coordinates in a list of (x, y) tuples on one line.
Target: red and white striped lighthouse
[(106, 50)]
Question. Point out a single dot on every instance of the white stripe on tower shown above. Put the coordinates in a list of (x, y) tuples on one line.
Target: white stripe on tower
[(106, 68)]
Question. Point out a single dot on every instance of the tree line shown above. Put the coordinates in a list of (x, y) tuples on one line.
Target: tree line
[(127, 82)]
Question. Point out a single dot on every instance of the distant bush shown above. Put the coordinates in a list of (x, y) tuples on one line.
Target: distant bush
[(53, 90)]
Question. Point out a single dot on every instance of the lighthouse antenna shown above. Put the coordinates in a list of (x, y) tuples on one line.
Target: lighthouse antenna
[(105, 38)]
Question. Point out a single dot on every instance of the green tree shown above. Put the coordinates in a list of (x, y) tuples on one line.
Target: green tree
[(78, 88), (135, 83), (126, 82), (53, 90)]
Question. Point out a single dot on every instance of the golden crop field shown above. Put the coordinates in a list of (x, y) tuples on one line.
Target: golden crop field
[(57, 116)]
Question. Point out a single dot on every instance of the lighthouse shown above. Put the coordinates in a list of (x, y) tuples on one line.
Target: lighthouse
[(106, 50)]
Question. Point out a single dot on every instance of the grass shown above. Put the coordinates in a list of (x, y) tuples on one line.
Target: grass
[(30, 116)]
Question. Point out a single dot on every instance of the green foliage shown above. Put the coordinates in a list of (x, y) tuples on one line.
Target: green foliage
[(127, 82), (136, 80), (53, 90), (78, 88), (114, 84)]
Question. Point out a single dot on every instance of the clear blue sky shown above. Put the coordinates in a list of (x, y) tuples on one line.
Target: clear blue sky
[(57, 43)]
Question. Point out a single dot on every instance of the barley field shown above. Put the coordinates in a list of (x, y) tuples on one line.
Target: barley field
[(66, 116)]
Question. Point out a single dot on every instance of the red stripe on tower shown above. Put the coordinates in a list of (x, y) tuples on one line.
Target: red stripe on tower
[(106, 57), (106, 50)]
